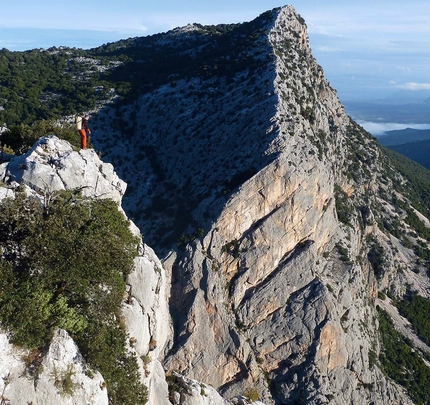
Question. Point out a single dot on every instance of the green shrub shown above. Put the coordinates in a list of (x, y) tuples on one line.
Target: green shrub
[(251, 394), (20, 138), (231, 248), (402, 363), (381, 295), (377, 258), (63, 265), (417, 309), (343, 253), (63, 381), (373, 358), (343, 206)]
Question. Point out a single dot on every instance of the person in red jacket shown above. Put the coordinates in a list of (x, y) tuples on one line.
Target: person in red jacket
[(84, 131)]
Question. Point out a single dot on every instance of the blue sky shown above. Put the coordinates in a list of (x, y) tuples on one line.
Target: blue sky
[(368, 48)]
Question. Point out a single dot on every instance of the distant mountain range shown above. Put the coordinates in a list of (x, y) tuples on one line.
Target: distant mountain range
[(402, 107), (413, 143), (408, 96), (404, 136), (388, 111)]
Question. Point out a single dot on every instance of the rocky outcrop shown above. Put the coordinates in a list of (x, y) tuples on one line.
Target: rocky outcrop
[(190, 392), (51, 165), (54, 165), (60, 376), (148, 321)]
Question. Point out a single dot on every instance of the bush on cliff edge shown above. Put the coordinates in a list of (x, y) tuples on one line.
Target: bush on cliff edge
[(63, 265)]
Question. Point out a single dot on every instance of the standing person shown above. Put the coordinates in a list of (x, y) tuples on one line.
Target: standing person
[(83, 130)]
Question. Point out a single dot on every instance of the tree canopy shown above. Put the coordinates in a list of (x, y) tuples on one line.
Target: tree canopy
[(63, 265)]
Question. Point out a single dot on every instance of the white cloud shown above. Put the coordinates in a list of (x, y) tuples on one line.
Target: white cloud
[(414, 86), (380, 128), (327, 49)]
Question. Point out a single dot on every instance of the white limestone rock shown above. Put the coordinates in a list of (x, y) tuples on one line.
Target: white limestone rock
[(148, 321), (52, 164), (62, 377), (265, 294), (191, 392)]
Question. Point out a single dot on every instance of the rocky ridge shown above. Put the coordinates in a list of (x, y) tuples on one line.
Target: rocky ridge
[(281, 194), (38, 376), (275, 199)]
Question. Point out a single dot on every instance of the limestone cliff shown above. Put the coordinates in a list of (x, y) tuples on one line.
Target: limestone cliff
[(267, 204), (33, 377), (272, 194)]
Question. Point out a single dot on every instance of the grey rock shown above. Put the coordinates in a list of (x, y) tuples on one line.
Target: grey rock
[(52, 164), (62, 361), (276, 294)]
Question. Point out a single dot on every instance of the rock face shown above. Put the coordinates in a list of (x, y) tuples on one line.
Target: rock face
[(274, 193), (51, 165), (265, 200), (59, 377)]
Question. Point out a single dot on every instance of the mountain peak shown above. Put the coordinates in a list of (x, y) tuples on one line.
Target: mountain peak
[(246, 173), (281, 222)]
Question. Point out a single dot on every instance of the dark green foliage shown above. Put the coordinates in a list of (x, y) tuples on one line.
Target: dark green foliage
[(38, 85), (411, 218), (404, 365), (232, 248), (415, 150), (251, 394), (417, 187), (360, 154), (174, 385), (343, 253), (21, 138), (365, 212), (373, 357), (102, 344), (376, 258), (417, 310), (309, 114), (185, 239), (63, 265), (237, 180), (343, 206), (418, 225)]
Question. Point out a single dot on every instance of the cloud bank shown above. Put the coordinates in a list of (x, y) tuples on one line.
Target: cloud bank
[(380, 128), (414, 86)]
